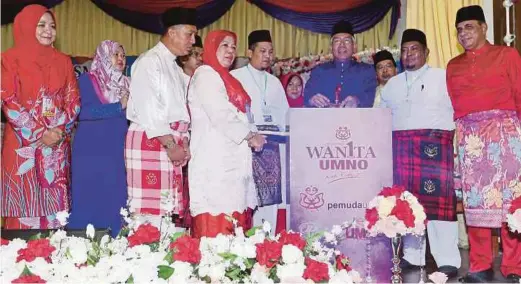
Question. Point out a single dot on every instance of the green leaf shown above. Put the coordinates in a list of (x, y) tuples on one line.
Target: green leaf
[(36, 237), (228, 256), (249, 262), (154, 247), (176, 236), (130, 280), (251, 232), (124, 233), (165, 271), (273, 274), (234, 274), (26, 271), (169, 257)]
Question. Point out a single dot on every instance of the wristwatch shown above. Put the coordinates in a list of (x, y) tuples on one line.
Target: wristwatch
[(169, 145)]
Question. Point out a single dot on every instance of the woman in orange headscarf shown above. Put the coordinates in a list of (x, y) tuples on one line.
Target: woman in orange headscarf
[(220, 173), (40, 101)]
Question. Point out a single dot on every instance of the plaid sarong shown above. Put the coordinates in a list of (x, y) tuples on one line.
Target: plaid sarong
[(423, 163), (155, 186)]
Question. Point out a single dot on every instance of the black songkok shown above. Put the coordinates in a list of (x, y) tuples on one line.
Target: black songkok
[(468, 13), (179, 16), (414, 35), (259, 36), (342, 27), (383, 55)]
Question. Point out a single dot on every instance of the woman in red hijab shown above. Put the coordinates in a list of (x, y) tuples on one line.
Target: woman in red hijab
[(220, 172), (294, 88), (40, 102)]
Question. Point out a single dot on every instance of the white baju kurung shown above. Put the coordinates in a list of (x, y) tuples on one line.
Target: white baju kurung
[(220, 172), (269, 107)]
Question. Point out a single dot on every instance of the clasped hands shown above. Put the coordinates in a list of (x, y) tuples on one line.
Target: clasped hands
[(322, 101), (256, 141), (180, 154), (51, 137)]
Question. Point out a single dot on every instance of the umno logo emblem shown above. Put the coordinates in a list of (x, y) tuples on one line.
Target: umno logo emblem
[(311, 198), (342, 133)]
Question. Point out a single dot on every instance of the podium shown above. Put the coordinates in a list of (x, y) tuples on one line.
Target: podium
[(339, 159)]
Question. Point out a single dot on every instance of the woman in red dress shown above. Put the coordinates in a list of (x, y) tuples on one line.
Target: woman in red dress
[(40, 101)]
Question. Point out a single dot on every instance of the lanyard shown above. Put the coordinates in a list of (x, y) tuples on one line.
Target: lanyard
[(263, 91), (409, 85)]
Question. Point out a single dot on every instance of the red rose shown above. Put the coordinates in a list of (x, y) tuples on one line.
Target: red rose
[(396, 190), (186, 249), (292, 239), (36, 248), (402, 211), (342, 262), (269, 253), (316, 271), (371, 215), (516, 204), (29, 279), (4, 242), (145, 234)]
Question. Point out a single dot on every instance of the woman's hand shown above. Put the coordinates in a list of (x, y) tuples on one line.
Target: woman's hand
[(52, 137), (257, 142)]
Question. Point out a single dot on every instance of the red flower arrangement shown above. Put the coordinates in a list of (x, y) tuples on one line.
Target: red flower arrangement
[(395, 211), (145, 234), (36, 248)]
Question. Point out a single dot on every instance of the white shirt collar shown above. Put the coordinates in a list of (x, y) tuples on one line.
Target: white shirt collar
[(165, 51), (417, 72)]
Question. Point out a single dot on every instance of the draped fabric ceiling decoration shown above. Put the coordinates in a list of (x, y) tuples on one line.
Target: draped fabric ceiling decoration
[(314, 15), (83, 24), (12, 7), (146, 14), (320, 16)]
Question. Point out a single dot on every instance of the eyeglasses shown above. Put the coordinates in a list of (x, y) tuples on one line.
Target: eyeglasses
[(196, 53), (346, 41)]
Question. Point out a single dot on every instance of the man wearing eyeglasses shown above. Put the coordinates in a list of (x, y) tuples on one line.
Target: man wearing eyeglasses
[(191, 61), (343, 82), (385, 67)]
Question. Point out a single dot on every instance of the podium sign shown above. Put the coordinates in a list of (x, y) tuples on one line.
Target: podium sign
[(339, 160)]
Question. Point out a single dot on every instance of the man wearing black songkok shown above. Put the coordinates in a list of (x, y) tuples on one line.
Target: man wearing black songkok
[(385, 67), (484, 84), (157, 140), (343, 82)]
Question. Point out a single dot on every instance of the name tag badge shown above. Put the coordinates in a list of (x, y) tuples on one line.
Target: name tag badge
[(48, 109), (266, 114)]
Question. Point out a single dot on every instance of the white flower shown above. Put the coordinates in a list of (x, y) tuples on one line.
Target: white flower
[(182, 270), (266, 227), (77, 250), (355, 275), (341, 277), (217, 272), (90, 232), (292, 254), (330, 238), (336, 230), (385, 206), (57, 237), (438, 277), (62, 217), (290, 271), (259, 274)]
